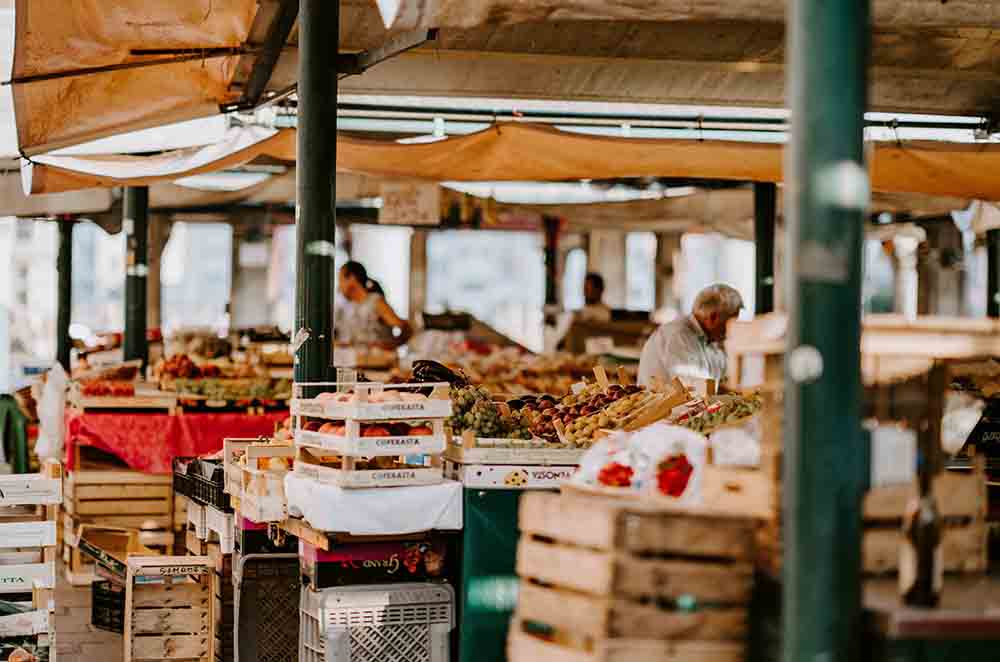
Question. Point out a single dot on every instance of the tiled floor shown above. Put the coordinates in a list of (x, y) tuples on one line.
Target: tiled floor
[(76, 638)]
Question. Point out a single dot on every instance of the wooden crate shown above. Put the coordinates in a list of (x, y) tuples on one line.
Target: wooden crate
[(605, 579), (147, 398), (168, 609), (29, 530), (892, 347), (262, 482), (120, 498)]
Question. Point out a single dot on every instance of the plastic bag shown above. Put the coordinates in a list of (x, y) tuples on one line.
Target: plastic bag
[(673, 461), (51, 410), (737, 445), (660, 458), (611, 462)]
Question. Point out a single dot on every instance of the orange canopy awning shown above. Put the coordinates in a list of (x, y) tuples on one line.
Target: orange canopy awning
[(532, 152), (74, 78)]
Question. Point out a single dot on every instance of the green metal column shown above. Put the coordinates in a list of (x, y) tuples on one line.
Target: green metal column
[(317, 156), (825, 452), (64, 268), (135, 224), (765, 210)]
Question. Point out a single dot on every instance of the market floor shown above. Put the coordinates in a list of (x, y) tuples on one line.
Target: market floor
[(76, 638)]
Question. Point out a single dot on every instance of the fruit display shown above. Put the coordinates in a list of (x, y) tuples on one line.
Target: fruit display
[(387, 429), (107, 388), (389, 395), (506, 372), (704, 417), (580, 414), (474, 409), (220, 380)]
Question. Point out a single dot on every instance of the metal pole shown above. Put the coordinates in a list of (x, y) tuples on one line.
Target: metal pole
[(993, 273), (765, 210), (64, 266), (826, 462), (135, 224), (551, 227), (317, 149)]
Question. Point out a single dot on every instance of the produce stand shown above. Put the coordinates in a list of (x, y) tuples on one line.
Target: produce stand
[(148, 442)]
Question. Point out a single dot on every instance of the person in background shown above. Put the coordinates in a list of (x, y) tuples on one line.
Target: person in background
[(364, 318), (691, 347), (594, 308)]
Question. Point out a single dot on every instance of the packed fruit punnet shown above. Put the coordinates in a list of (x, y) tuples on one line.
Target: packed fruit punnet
[(107, 387), (387, 429)]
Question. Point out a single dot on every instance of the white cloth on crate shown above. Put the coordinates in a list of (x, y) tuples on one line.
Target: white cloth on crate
[(681, 349), (376, 511)]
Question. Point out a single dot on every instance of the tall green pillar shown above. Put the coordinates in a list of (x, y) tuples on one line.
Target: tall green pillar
[(825, 454), (64, 308), (765, 211), (135, 225), (316, 167)]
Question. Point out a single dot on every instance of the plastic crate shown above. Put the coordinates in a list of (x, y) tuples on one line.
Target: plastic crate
[(182, 483), (266, 625), (107, 606), (208, 484), (397, 623)]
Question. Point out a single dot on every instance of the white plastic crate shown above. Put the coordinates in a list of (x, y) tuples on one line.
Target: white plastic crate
[(438, 405), (353, 443), (376, 623)]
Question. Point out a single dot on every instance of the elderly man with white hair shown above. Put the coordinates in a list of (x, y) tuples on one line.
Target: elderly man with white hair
[(691, 347)]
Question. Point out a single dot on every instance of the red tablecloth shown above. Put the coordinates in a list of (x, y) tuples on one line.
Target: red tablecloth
[(149, 442)]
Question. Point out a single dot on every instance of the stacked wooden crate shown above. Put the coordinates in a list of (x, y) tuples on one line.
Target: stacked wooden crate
[(28, 536), (605, 579), (897, 356), (221, 582), (168, 608), (115, 497)]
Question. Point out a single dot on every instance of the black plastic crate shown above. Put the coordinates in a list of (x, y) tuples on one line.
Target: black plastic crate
[(182, 482), (107, 607), (207, 480)]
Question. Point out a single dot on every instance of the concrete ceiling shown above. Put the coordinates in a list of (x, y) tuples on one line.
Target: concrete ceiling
[(927, 57)]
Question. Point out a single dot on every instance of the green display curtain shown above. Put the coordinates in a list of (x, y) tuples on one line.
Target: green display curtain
[(14, 433)]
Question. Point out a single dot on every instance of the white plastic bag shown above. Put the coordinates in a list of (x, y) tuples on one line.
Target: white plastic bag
[(663, 446), (51, 410), (737, 445)]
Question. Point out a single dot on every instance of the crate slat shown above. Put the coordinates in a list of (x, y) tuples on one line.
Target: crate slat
[(524, 647), (170, 647), (602, 573), (170, 621), (611, 524), (154, 596), (122, 491), (957, 495), (27, 534), (123, 507), (604, 617)]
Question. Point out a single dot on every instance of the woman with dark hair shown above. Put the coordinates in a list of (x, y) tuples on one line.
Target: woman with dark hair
[(365, 318)]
